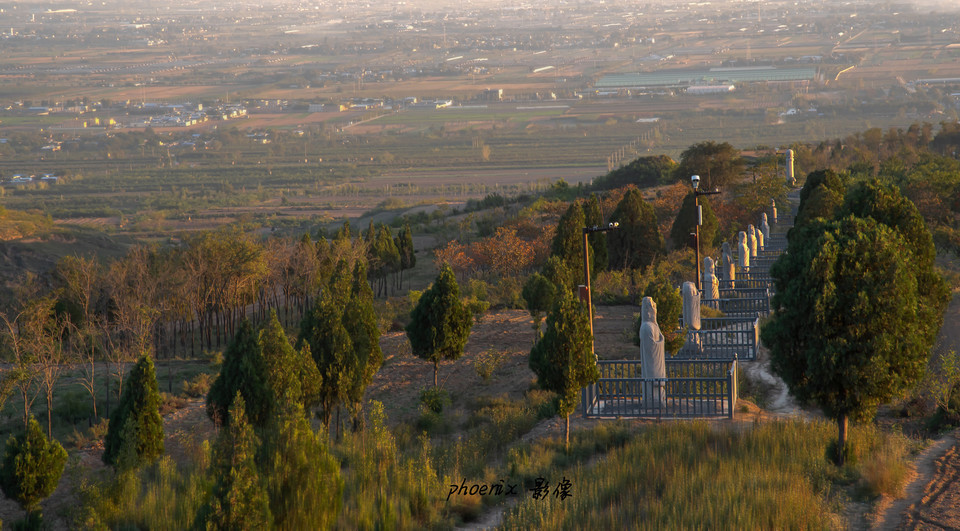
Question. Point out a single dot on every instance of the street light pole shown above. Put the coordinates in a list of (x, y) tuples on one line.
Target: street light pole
[(586, 271), (695, 180)]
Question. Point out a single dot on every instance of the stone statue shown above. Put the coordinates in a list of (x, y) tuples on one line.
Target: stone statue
[(752, 240), (729, 266), (709, 280), (764, 226), (773, 210), (743, 251), (652, 354), (760, 237), (691, 316)]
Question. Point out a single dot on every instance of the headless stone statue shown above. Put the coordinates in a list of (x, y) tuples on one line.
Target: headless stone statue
[(752, 240), (691, 315), (743, 251), (709, 280), (773, 210), (729, 266), (764, 226), (652, 353)]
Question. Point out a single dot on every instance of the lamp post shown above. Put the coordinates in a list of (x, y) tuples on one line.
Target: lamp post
[(695, 180), (586, 270)]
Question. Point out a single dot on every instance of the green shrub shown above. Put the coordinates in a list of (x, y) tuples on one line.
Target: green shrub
[(32, 466), (488, 362), (434, 399), (73, 406), (199, 386)]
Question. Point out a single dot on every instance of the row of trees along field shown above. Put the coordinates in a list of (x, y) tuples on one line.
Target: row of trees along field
[(176, 299)]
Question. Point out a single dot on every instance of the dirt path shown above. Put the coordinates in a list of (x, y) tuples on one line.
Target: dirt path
[(932, 498)]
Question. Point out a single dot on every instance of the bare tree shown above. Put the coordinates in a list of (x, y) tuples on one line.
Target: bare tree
[(81, 285), (23, 373)]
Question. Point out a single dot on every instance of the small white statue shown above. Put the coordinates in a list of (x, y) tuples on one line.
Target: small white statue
[(773, 210), (743, 251), (764, 226), (752, 240), (652, 353), (760, 237), (711, 285)]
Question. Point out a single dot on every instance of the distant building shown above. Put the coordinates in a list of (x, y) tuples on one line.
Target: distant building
[(699, 90)]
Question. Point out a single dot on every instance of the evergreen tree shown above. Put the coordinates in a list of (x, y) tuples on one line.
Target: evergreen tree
[(686, 220), (540, 294), (440, 323), (888, 206), (302, 478), (239, 499), (408, 257), (332, 348), (563, 359), (360, 322), (568, 241), (847, 332), (638, 240), (642, 171), (716, 164), (32, 466), (282, 364), (557, 272), (821, 196), (599, 259), (244, 371), (136, 428)]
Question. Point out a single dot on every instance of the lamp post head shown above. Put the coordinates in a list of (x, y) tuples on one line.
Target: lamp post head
[(695, 179)]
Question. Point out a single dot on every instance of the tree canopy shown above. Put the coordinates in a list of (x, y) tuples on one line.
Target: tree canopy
[(135, 432), (32, 466), (440, 323), (563, 359), (716, 164), (686, 221), (568, 241), (642, 171), (847, 332), (638, 240)]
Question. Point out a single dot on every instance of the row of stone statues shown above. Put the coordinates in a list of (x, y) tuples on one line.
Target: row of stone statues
[(652, 342)]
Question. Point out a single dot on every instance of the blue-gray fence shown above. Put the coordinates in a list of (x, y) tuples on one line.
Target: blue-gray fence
[(692, 389), (726, 338)]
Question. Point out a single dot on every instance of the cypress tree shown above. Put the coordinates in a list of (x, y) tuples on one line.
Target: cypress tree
[(568, 241), (243, 371), (408, 257), (302, 478), (239, 499), (686, 221), (539, 293), (440, 323), (638, 240), (360, 322), (331, 346), (32, 466), (135, 431), (563, 359), (599, 258)]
